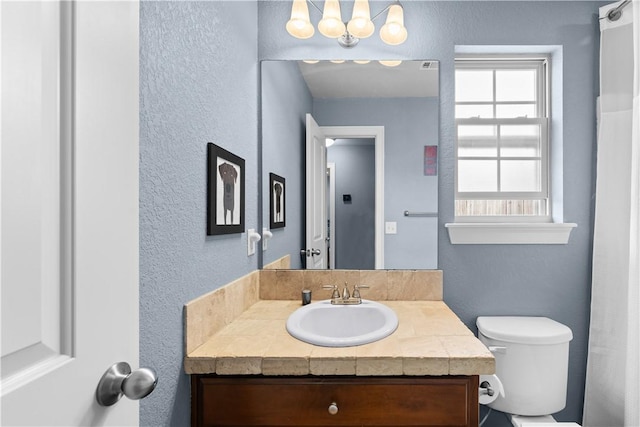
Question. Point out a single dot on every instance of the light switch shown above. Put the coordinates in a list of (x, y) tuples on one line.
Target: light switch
[(390, 227)]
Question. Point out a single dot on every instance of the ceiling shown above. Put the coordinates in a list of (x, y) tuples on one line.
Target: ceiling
[(410, 79)]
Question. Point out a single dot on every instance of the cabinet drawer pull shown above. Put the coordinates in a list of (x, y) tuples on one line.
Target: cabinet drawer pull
[(333, 408)]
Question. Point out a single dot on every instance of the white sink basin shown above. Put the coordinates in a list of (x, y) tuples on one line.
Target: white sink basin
[(324, 324)]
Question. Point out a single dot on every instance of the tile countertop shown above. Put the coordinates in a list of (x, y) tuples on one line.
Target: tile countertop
[(430, 340)]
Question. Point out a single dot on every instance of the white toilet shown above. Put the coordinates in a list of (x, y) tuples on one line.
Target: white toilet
[(532, 357)]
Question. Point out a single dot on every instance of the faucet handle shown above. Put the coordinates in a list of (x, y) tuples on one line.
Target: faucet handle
[(356, 290), (336, 293)]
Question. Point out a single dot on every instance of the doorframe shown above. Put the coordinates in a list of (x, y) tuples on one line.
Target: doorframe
[(331, 174), (377, 134)]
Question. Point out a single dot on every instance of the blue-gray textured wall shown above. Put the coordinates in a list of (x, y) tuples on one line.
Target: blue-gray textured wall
[(285, 100), (542, 280), (198, 84)]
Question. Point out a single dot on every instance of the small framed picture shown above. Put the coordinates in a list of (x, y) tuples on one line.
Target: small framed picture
[(430, 160), (277, 199), (225, 191)]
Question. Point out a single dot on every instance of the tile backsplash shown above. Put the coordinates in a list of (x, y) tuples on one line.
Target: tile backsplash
[(281, 263), (206, 315), (383, 285)]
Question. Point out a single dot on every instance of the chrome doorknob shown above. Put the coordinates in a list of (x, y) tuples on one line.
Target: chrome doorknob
[(118, 380), (310, 252)]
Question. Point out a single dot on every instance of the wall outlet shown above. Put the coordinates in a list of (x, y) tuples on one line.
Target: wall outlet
[(390, 227)]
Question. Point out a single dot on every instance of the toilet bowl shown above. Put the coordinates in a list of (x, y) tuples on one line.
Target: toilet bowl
[(532, 358)]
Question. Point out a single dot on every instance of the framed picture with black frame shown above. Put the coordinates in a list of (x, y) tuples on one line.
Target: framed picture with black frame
[(277, 199), (225, 191)]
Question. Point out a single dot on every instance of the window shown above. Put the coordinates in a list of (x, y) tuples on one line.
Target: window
[(502, 152)]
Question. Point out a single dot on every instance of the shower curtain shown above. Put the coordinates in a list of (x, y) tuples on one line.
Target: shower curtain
[(612, 395)]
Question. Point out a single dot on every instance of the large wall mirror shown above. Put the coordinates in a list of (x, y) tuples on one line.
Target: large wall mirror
[(354, 148)]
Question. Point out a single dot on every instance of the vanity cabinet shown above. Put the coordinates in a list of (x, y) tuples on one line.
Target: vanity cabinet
[(334, 401)]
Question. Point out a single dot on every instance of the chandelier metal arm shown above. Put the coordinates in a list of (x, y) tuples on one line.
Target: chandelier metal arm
[(384, 10), (314, 5)]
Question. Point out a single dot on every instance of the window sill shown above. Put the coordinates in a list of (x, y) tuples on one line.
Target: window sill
[(509, 233)]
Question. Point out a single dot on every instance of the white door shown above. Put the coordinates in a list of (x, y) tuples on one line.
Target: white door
[(316, 203), (69, 212)]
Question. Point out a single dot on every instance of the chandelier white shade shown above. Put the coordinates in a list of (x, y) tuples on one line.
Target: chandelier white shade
[(299, 26), (331, 24), (391, 63), (360, 26), (393, 31)]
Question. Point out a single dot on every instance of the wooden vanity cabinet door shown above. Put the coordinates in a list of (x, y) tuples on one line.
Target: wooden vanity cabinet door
[(220, 401)]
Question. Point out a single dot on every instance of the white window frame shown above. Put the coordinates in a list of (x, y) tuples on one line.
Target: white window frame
[(541, 65), (513, 230)]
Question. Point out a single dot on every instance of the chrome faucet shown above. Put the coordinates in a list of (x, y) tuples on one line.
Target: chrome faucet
[(345, 292), (346, 298)]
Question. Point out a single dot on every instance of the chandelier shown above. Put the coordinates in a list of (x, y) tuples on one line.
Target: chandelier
[(361, 26)]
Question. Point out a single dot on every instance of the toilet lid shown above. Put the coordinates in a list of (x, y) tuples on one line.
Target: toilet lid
[(524, 330)]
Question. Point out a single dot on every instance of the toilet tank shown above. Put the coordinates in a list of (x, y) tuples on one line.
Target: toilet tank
[(532, 356)]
